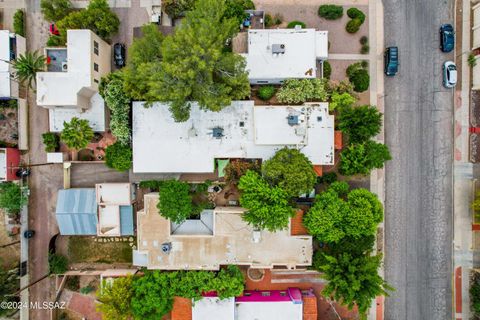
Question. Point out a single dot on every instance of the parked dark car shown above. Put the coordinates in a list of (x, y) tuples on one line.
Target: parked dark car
[(447, 38), (391, 61), (119, 54)]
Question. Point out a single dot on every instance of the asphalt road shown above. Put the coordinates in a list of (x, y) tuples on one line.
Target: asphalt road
[(419, 132)]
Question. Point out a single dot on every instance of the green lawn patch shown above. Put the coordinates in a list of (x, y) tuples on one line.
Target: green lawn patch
[(86, 249)]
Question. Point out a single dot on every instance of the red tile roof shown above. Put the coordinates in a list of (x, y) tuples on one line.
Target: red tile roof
[(310, 308)]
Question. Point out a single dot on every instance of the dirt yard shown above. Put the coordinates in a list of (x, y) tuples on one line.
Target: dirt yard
[(9, 256), (8, 126)]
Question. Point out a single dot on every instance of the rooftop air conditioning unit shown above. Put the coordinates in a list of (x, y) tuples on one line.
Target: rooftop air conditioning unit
[(292, 120), (166, 247), (217, 132), (64, 66), (278, 48)]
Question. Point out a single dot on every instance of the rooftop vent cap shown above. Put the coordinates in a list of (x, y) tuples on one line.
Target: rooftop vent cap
[(217, 132), (166, 247), (292, 120)]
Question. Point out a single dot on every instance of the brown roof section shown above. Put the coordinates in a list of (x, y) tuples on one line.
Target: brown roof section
[(310, 308), (297, 228), (338, 140), (84, 305), (182, 309), (318, 170)]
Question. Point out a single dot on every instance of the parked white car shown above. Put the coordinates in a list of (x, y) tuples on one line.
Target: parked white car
[(449, 74)]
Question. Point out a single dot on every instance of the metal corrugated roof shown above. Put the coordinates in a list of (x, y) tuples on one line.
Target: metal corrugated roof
[(77, 212), (126, 220)]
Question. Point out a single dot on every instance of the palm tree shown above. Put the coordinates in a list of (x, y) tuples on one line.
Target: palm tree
[(76, 134), (27, 66)]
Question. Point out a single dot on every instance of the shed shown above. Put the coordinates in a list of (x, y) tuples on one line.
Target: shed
[(77, 212)]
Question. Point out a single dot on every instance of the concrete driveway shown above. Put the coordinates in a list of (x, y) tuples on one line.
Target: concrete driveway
[(419, 133)]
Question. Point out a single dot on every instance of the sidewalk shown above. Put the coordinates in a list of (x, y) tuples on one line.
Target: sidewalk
[(462, 168)]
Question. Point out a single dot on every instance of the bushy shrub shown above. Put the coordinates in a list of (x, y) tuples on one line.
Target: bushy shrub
[(362, 158), (360, 123), (358, 76), (327, 178), (177, 8), (55, 10), (330, 11), (19, 22), (51, 141), (118, 156), (266, 92), (12, 199), (353, 25), (150, 184), (55, 41), (327, 70), (296, 91), (365, 49), (57, 263), (364, 40), (119, 104), (268, 20), (475, 293), (277, 19), (341, 101), (354, 13), (291, 25), (472, 60)]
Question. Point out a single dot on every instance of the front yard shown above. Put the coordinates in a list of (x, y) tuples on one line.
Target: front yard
[(100, 249)]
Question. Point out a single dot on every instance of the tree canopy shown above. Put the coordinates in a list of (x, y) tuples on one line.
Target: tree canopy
[(338, 213), (77, 133), (119, 104), (55, 10), (177, 8), (116, 298), (362, 158), (360, 123), (267, 207), (341, 101), (195, 65), (290, 170), (26, 67), (11, 197), (298, 91), (97, 17), (144, 56), (175, 200)]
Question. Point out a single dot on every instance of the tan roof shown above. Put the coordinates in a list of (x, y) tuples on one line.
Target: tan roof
[(231, 243)]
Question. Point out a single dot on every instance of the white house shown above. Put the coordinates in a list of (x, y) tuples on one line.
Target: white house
[(278, 54), (240, 130), (11, 46)]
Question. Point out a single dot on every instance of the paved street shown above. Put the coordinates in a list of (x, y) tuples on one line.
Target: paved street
[(419, 132)]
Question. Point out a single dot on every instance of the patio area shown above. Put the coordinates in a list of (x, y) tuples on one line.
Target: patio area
[(56, 59)]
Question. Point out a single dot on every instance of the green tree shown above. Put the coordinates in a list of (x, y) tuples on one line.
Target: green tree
[(119, 104), (297, 91), (26, 67), (116, 298), (77, 133), (97, 17), (51, 141), (360, 123), (267, 207), (327, 69), (12, 199), (55, 10), (236, 9), (229, 282), (9, 284), (19, 22), (330, 11), (266, 92), (354, 13), (175, 200), (340, 101), (235, 169), (358, 75), (118, 156), (290, 170), (354, 280), (338, 213), (151, 298), (143, 63), (363, 157), (195, 66), (57, 263), (177, 8)]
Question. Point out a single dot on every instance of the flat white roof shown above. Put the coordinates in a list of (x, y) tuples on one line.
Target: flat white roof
[(278, 310), (278, 54), (95, 115), (212, 308), (4, 66), (231, 243), (162, 145), (109, 220), (114, 193)]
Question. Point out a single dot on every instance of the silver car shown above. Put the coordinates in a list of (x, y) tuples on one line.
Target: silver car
[(449, 74)]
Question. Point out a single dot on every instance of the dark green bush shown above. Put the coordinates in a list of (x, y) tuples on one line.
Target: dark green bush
[(364, 64), (475, 293), (268, 21), (291, 25), (11, 103), (353, 25), (150, 184), (118, 156), (19, 23), (364, 40), (277, 19), (266, 92), (327, 70), (57, 263), (360, 80), (365, 49), (51, 141), (327, 178), (330, 11), (55, 41), (354, 13)]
